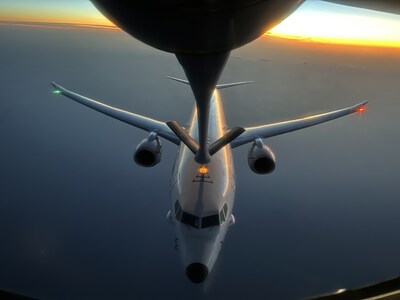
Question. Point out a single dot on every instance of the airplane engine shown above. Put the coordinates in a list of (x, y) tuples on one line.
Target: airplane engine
[(261, 159), (148, 152)]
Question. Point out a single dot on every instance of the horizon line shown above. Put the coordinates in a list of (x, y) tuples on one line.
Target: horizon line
[(50, 24)]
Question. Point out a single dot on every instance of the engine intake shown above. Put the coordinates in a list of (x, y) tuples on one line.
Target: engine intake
[(260, 157), (148, 152)]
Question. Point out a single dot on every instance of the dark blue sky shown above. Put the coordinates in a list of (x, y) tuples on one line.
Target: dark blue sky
[(79, 220)]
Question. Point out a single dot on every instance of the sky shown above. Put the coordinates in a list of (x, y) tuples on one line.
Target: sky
[(69, 11), (315, 21), (79, 220), (326, 22)]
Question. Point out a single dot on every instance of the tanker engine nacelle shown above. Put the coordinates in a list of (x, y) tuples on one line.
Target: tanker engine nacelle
[(148, 152), (261, 159)]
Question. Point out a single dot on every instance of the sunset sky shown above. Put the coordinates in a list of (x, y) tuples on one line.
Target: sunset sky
[(80, 220), (314, 21)]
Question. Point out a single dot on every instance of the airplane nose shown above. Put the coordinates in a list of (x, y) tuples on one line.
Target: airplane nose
[(197, 272)]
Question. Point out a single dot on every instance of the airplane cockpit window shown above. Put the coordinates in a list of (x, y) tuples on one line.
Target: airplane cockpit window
[(225, 209), (223, 213), (209, 221), (222, 216), (184, 217), (190, 220), (194, 221)]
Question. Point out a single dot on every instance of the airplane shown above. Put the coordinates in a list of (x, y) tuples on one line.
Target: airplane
[(201, 34), (202, 195)]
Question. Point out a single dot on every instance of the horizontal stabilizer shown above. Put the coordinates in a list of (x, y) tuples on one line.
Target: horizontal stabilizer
[(219, 86), (228, 85), (178, 79)]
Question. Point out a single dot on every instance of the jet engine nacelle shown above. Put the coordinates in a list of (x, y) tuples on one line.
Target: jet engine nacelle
[(261, 159), (148, 152)]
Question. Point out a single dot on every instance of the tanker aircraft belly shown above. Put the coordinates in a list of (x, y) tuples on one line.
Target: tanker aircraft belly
[(202, 195)]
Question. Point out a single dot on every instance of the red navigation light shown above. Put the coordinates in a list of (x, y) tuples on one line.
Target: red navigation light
[(361, 109)]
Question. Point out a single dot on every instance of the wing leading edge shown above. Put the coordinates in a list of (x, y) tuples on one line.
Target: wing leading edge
[(135, 120), (270, 130)]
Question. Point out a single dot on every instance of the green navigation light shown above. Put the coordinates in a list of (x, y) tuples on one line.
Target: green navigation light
[(56, 92)]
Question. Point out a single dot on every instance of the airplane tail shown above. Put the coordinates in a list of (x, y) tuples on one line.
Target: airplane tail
[(219, 86)]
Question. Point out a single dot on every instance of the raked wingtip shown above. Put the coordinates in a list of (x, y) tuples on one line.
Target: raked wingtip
[(361, 107), (57, 89)]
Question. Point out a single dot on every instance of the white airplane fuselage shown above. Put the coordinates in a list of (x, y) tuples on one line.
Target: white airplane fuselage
[(202, 200)]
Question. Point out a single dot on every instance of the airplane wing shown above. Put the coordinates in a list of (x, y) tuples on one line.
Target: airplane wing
[(389, 6), (270, 130), (135, 120)]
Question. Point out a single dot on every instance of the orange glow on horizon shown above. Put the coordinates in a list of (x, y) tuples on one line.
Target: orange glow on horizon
[(338, 41), (60, 26), (59, 20), (345, 27), (53, 12), (312, 23)]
